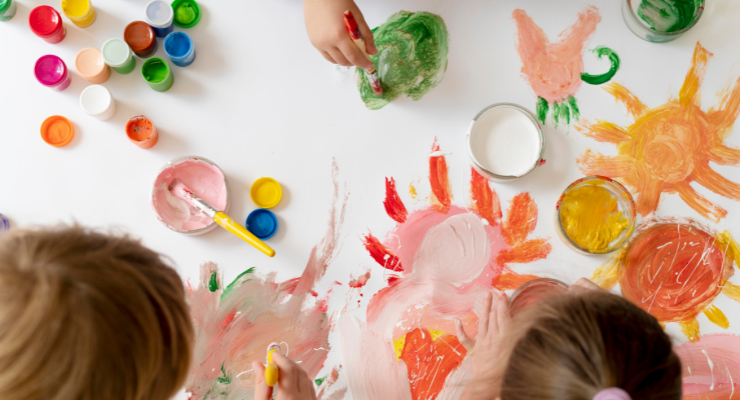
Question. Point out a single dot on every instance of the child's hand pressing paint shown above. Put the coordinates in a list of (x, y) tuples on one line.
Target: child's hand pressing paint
[(326, 30), (293, 381)]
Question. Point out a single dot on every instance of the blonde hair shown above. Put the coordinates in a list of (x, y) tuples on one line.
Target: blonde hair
[(85, 315)]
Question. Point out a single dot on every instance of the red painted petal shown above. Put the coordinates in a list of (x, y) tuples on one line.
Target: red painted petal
[(511, 280), (440, 182), (521, 219), (531, 250), (393, 204), (381, 254), (485, 199)]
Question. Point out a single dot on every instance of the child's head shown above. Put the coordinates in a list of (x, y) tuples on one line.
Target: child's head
[(575, 345), (85, 315)]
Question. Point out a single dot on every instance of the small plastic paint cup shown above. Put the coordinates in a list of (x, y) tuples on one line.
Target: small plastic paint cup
[(159, 15), (80, 12), (97, 102), (90, 65), (4, 224), (187, 13), (266, 192), (46, 23), (141, 132), (505, 142), (179, 49), (262, 223), (158, 74), (659, 25), (533, 292), (52, 72), (141, 38), (119, 56), (7, 10), (57, 131)]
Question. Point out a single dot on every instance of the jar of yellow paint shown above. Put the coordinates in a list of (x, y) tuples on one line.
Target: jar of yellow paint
[(80, 12), (595, 215)]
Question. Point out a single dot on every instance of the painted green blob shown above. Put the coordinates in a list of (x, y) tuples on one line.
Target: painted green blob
[(574, 110), (156, 71), (223, 379), (213, 282), (606, 77), (542, 108), (227, 290), (319, 381), (411, 60), (669, 15)]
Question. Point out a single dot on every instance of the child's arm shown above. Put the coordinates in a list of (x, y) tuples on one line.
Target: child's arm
[(293, 382), (325, 26)]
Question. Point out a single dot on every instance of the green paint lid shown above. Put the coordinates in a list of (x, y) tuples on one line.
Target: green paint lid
[(4, 4), (187, 13)]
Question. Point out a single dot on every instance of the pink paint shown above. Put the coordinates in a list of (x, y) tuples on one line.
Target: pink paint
[(534, 292), (52, 72), (360, 281), (207, 181), (711, 367)]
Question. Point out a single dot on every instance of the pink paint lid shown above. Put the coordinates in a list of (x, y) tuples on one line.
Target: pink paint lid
[(44, 21), (50, 70)]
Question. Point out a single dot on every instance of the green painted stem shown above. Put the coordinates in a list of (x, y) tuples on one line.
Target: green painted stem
[(606, 77)]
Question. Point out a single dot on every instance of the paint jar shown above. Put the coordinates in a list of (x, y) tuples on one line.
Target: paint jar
[(52, 72), (119, 56), (4, 224), (179, 49), (505, 142), (660, 22), (7, 10), (262, 223), (533, 292), (90, 65), (595, 215), (158, 74), (46, 23), (57, 131), (80, 12), (141, 132), (187, 13), (141, 38), (159, 15), (158, 194), (266, 192), (97, 101)]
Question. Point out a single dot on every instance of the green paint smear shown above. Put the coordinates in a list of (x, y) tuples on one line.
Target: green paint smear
[(213, 282), (542, 108), (155, 72), (411, 60), (563, 111), (606, 77), (227, 290), (319, 381), (573, 103), (669, 15), (223, 379)]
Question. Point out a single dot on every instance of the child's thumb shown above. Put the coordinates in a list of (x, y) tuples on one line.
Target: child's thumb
[(261, 390)]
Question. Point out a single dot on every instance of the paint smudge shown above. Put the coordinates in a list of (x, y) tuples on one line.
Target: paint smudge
[(555, 70), (669, 15), (393, 204), (360, 281), (669, 146), (451, 255), (411, 59), (711, 368), (234, 324), (674, 269)]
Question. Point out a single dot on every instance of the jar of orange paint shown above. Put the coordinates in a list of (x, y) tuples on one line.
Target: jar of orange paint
[(141, 132), (91, 66)]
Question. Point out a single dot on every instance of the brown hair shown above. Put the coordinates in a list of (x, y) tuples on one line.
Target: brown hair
[(86, 315), (573, 346)]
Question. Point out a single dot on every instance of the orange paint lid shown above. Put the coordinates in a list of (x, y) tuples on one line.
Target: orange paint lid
[(57, 131)]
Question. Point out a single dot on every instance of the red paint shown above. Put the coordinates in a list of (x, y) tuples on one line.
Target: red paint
[(485, 200), (381, 254), (542, 162), (46, 23), (429, 362), (351, 24), (141, 38), (360, 281), (392, 279), (393, 204), (440, 182), (521, 219)]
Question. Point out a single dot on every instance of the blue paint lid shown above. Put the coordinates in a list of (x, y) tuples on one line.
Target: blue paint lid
[(262, 223)]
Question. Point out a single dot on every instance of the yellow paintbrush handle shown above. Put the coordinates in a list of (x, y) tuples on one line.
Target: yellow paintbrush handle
[(227, 223), (271, 371)]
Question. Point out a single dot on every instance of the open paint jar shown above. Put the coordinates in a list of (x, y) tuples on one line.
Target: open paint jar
[(505, 142), (533, 292), (595, 215), (659, 21), (205, 179)]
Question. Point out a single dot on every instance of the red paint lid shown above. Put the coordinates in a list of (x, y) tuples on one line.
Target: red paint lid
[(44, 21), (139, 36)]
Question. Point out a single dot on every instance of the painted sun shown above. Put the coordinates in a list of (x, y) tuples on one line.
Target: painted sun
[(670, 146)]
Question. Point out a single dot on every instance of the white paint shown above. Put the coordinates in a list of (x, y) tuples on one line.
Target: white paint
[(159, 14), (116, 52), (440, 153), (711, 368), (505, 141), (97, 101)]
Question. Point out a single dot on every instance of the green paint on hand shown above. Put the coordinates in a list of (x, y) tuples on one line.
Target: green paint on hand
[(669, 15), (223, 379), (542, 108), (574, 110), (213, 282), (606, 77), (411, 60), (236, 281), (319, 381), (156, 71)]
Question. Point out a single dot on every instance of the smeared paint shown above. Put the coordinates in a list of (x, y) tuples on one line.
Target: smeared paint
[(393, 205), (485, 200), (673, 269), (234, 325), (711, 368), (669, 146), (411, 59), (381, 254), (669, 15), (360, 281), (426, 358), (213, 282), (440, 182), (591, 217)]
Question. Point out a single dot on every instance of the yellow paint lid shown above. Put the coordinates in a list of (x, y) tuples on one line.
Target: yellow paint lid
[(266, 192)]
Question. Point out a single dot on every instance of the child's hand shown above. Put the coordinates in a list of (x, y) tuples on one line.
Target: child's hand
[(293, 382), (582, 285), (325, 26)]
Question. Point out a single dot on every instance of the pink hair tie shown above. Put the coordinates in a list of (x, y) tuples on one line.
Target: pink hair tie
[(612, 393)]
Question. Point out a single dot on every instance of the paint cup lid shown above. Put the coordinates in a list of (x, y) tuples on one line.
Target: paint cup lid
[(139, 36), (266, 192), (113, 49), (57, 131), (4, 224), (95, 100), (187, 13), (262, 223), (3, 5), (159, 14), (89, 62), (50, 70), (170, 43), (44, 21)]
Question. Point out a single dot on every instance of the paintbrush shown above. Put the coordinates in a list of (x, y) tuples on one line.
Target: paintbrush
[(354, 32), (179, 190)]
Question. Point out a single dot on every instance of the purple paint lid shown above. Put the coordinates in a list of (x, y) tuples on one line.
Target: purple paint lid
[(50, 70), (4, 224)]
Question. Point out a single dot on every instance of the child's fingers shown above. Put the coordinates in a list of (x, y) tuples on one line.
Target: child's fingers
[(328, 57), (504, 313), (305, 385), (463, 337), (337, 55), (485, 315), (493, 319), (261, 390), (289, 373), (367, 33), (354, 55)]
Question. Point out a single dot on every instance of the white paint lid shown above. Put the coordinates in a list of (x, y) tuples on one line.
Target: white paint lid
[(116, 52), (96, 100), (159, 14)]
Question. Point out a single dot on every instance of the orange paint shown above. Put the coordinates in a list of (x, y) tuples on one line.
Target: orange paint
[(521, 219), (525, 252), (485, 200), (440, 182), (142, 132), (511, 280), (670, 146), (429, 361)]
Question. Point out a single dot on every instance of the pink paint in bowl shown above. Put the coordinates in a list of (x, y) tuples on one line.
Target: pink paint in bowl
[(533, 292), (52, 72), (201, 176)]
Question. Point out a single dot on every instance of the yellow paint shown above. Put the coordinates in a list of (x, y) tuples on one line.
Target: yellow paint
[(591, 218), (690, 329), (80, 12), (412, 191), (271, 370), (717, 317), (239, 231), (400, 342), (731, 291), (607, 275), (266, 192)]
